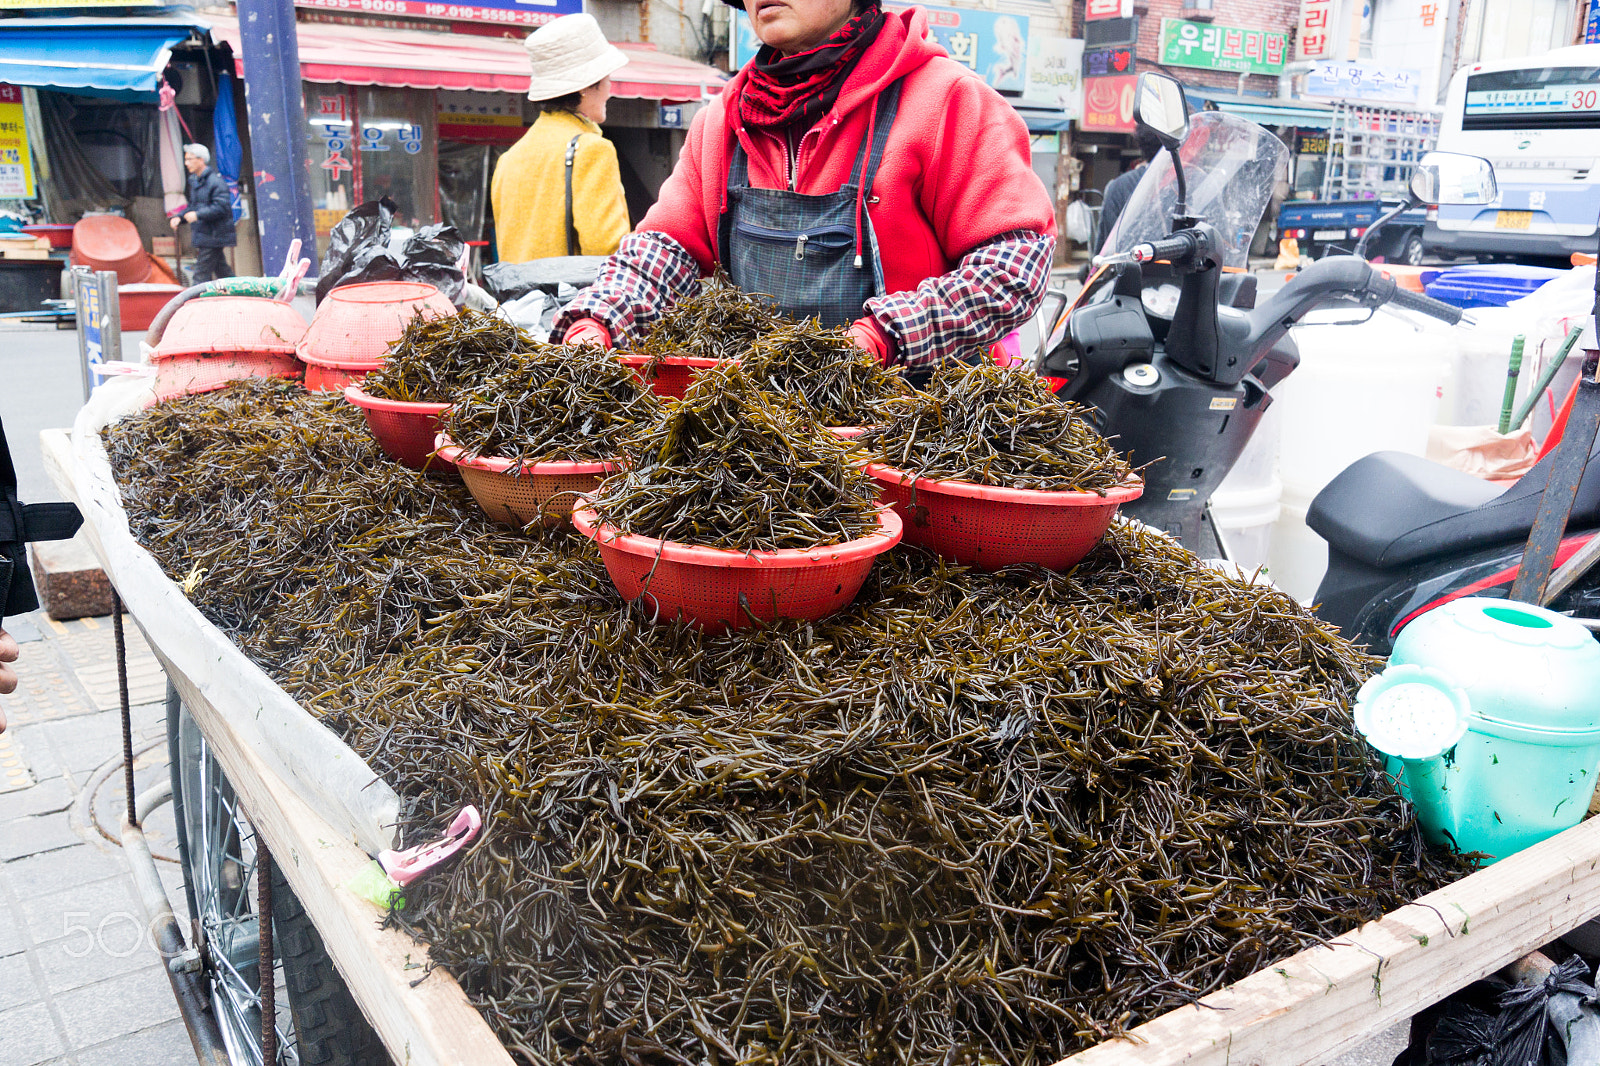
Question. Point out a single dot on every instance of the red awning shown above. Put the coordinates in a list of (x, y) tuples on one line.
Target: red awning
[(416, 59)]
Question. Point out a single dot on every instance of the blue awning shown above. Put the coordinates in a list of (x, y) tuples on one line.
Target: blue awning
[(121, 58), (1042, 119), (1265, 110)]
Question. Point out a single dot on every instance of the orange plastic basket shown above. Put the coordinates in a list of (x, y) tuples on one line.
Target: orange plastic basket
[(404, 431), (520, 495), (355, 324), (718, 590), (989, 527), (320, 378), (212, 341), (672, 376)]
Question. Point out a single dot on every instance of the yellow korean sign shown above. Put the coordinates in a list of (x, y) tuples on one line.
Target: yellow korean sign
[(16, 167)]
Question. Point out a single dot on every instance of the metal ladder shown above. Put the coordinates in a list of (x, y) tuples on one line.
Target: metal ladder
[(1372, 151)]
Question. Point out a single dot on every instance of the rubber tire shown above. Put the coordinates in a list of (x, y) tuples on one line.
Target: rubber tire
[(1411, 251), (330, 1029)]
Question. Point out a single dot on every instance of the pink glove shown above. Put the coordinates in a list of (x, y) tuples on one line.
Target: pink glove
[(587, 331), (870, 338)]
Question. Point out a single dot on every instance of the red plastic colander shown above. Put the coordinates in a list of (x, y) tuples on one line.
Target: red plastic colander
[(219, 339), (672, 376), (320, 378), (522, 494), (404, 431), (355, 324), (718, 590), (989, 527)]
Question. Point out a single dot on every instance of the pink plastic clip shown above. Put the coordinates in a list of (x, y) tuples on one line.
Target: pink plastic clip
[(408, 865)]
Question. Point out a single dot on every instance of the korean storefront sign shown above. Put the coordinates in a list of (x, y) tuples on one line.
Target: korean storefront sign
[(1108, 103), (1361, 81), (16, 166), (1591, 24), (1107, 62), (1055, 74), (509, 12), (1107, 9), (1199, 44), (993, 44), (1315, 38)]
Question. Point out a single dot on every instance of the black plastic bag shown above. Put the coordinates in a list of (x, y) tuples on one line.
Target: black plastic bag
[(355, 242), (1515, 1032), (433, 254), (511, 281), (358, 251)]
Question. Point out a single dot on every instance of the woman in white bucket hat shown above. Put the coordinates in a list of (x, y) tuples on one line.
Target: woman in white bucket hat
[(558, 191)]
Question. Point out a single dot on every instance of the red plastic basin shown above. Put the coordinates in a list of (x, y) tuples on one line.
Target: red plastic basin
[(719, 590), (990, 527)]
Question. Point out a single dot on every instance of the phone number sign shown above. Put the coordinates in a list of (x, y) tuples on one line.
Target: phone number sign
[(505, 12)]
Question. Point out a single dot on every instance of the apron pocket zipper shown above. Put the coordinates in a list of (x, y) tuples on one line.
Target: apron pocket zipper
[(844, 236)]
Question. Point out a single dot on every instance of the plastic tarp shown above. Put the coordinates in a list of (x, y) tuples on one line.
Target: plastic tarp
[(121, 58), (320, 767)]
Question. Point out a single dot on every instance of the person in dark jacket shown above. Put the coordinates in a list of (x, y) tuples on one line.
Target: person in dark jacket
[(210, 215), (1120, 188)]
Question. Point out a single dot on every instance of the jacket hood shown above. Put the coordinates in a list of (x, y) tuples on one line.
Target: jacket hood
[(903, 45)]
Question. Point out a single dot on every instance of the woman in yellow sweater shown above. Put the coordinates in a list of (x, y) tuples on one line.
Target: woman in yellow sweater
[(558, 190)]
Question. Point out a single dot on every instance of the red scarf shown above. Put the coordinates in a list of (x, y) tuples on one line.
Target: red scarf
[(797, 90)]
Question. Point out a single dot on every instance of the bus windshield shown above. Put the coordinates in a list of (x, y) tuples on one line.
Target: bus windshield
[(1533, 98)]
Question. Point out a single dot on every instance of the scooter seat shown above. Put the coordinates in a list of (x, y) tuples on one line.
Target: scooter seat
[(1389, 509)]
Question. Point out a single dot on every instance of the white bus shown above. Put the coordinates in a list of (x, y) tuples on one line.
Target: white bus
[(1537, 119)]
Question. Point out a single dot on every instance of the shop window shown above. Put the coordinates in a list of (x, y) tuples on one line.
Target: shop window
[(398, 147), (365, 143), (330, 125)]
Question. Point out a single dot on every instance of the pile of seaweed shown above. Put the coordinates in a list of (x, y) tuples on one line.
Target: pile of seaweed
[(720, 321), (734, 466), (996, 426), (973, 818), (840, 384), (436, 358), (553, 403)]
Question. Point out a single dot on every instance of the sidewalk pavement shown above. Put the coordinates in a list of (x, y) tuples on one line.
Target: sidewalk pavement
[(81, 981)]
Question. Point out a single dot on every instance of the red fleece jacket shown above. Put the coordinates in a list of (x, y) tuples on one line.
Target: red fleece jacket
[(955, 172)]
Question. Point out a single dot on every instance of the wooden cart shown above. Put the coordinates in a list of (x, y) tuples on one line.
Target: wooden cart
[(323, 813)]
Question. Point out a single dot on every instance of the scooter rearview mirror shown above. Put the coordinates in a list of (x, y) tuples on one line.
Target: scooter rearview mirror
[(1453, 178), (1162, 109)]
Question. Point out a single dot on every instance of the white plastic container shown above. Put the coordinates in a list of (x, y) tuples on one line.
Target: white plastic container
[(1359, 389), (1257, 467), (1246, 516), (1297, 558)]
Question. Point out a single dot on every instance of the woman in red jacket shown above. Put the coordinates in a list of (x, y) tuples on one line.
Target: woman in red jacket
[(856, 173)]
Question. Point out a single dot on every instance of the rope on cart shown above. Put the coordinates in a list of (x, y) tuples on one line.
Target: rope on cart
[(127, 713)]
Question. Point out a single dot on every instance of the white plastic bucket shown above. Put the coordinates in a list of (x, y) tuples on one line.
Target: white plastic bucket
[(1257, 466), (1296, 557), (1246, 518), (1359, 389)]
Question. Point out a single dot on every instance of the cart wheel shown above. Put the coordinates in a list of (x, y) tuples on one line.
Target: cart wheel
[(318, 1021)]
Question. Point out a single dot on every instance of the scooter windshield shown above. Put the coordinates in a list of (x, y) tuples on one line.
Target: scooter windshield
[(1230, 165)]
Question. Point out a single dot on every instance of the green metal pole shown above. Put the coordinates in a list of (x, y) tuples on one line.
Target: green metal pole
[(1526, 407), (1512, 372)]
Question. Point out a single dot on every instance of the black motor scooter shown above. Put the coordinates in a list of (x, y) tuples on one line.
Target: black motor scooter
[(1165, 344)]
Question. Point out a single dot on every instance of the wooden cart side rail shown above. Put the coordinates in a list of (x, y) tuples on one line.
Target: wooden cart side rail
[(301, 750), (431, 1024), (423, 1017), (1328, 998)]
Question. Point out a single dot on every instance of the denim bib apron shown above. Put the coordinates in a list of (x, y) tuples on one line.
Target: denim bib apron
[(801, 248)]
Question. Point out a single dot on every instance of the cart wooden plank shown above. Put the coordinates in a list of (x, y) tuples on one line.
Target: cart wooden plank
[(1327, 999)]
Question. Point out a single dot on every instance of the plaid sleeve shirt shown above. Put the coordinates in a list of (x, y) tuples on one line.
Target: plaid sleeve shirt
[(994, 288), (992, 291), (643, 279)]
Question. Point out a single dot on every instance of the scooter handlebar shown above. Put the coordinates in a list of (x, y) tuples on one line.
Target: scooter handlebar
[(1427, 305)]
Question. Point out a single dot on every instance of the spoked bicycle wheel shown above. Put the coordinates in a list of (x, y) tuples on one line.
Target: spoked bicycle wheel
[(316, 1019)]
